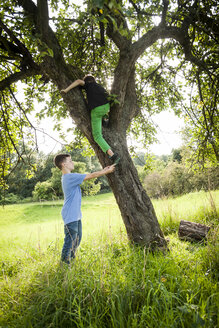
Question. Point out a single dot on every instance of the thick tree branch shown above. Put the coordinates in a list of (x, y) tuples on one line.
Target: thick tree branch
[(47, 36), (30, 8), (130, 111), (22, 49), (18, 76), (126, 64), (113, 32), (27, 64), (12, 50), (122, 114), (43, 18), (168, 32), (164, 12), (119, 40)]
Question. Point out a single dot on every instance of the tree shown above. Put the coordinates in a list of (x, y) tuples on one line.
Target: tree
[(44, 191), (21, 181), (114, 38), (177, 177), (176, 155)]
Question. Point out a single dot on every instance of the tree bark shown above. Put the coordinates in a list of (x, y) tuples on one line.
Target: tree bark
[(135, 206)]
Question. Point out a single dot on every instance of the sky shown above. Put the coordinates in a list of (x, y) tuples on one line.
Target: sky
[(168, 133)]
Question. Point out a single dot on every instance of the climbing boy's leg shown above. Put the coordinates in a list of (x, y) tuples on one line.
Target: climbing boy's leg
[(96, 123)]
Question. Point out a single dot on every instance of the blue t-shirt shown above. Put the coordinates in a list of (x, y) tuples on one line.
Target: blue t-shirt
[(71, 210)]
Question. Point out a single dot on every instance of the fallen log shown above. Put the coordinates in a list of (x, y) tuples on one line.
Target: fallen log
[(192, 231)]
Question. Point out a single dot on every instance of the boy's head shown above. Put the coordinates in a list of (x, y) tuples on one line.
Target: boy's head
[(89, 78), (64, 161)]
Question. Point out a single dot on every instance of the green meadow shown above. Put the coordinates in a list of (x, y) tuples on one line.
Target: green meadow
[(111, 283)]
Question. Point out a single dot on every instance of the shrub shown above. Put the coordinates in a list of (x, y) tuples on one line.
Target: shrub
[(89, 188), (9, 199), (44, 191)]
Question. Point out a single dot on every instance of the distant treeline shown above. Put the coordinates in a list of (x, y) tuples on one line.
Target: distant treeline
[(163, 176), (175, 175)]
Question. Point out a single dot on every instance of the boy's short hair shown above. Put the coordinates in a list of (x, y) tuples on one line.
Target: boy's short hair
[(60, 159), (89, 78)]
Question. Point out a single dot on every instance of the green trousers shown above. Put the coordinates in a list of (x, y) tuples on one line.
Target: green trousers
[(96, 123)]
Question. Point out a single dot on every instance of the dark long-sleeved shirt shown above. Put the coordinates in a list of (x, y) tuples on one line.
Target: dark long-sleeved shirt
[(96, 95)]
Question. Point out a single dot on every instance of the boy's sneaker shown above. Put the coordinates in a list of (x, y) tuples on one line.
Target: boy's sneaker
[(105, 122), (115, 158)]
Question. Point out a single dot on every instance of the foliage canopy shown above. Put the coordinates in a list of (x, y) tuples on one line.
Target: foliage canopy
[(172, 44)]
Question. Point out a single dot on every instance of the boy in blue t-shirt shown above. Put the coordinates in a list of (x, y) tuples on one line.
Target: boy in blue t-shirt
[(71, 211)]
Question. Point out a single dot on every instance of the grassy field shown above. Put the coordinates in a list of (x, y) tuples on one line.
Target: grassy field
[(111, 283)]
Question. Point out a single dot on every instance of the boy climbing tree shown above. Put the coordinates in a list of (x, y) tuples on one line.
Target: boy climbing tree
[(99, 106)]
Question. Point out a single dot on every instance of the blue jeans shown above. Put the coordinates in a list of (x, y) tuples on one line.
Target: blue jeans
[(73, 234)]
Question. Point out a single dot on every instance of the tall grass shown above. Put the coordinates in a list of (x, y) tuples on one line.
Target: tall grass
[(201, 207), (111, 282)]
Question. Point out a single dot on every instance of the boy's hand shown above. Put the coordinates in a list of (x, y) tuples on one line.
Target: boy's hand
[(109, 169), (106, 170), (63, 91)]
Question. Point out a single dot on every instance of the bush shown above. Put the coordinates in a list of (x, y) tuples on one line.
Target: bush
[(44, 191), (9, 199), (89, 188), (153, 185)]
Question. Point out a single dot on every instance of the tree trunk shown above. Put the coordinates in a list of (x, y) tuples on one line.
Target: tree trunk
[(135, 206), (192, 231)]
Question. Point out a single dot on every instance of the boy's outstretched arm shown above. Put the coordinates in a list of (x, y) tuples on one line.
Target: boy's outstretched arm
[(106, 170), (75, 84)]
